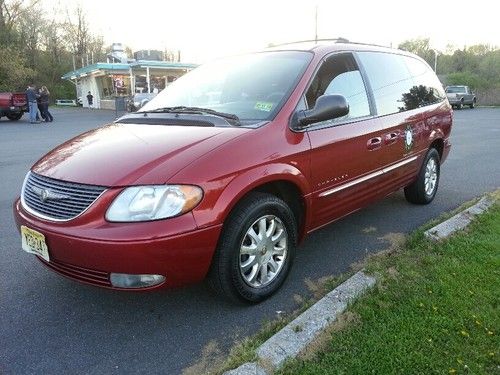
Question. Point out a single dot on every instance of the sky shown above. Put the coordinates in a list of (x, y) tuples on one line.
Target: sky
[(204, 30)]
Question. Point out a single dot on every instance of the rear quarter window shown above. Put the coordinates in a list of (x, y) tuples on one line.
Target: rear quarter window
[(400, 83), (427, 87), (389, 78)]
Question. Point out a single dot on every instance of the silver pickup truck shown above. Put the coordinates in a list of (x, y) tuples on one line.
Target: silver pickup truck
[(458, 96)]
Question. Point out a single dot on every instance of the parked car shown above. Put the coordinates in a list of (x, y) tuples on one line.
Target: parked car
[(13, 105), (139, 100), (458, 96), (230, 167)]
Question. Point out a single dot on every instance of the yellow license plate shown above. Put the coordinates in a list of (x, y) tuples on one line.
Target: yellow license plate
[(34, 242)]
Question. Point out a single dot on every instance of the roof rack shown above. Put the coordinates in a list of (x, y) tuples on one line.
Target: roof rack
[(336, 40)]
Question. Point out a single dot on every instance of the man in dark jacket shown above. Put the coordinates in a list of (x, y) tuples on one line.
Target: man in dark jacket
[(32, 96)]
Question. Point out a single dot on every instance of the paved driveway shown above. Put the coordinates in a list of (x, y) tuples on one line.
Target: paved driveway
[(51, 325)]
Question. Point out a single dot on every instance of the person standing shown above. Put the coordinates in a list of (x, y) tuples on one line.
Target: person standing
[(90, 100), (39, 106), (44, 100), (31, 96)]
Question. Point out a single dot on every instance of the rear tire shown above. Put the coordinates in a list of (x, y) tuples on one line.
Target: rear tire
[(14, 116), (256, 249), (473, 104), (424, 189)]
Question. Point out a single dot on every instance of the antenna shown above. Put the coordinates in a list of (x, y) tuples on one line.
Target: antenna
[(316, 25)]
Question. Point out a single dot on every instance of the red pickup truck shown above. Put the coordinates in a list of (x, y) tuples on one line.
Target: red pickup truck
[(13, 105)]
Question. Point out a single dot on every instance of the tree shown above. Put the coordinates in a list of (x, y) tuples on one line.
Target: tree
[(81, 42), (14, 75), (78, 34), (38, 48), (9, 12), (479, 49), (465, 78), (30, 26), (420, 47), (489, 68)]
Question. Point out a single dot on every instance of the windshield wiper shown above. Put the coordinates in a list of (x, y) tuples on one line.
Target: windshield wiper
[(196, 110)]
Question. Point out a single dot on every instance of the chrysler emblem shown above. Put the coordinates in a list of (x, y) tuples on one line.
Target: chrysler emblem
[(47, 194)]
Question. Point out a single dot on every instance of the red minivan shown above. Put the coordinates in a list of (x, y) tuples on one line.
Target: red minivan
[(226, 170)]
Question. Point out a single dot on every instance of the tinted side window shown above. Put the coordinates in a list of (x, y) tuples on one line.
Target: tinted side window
[(427, 88), (339, 74)]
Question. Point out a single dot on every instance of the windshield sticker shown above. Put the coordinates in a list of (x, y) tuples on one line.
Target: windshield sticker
[(263, 106)]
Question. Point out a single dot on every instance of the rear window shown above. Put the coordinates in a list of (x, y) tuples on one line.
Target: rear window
[(427, 88), (455, 90)]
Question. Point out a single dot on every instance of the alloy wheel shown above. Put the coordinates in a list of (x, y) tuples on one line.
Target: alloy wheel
[(263, 251)]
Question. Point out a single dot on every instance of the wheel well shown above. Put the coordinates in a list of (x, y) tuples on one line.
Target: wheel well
[(438, 144), (291, 195)]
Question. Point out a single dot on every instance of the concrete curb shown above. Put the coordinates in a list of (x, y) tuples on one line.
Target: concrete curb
[(459, 221), (294, 338), (248, 369)]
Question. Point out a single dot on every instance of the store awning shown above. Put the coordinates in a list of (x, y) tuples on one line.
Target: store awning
[(125, 68)]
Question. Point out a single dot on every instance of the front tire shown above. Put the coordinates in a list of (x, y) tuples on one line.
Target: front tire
[(14, 116), (424, 189), (256, 249)]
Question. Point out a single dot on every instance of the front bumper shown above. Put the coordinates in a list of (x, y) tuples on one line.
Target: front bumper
[(131, 248)]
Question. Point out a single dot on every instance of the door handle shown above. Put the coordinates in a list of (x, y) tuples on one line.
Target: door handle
[(374, 143), (391, 138)]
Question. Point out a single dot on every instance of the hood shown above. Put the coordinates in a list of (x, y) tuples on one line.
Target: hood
[(131, 154)]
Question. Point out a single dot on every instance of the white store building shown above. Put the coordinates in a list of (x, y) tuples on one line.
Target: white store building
[(108, 81)]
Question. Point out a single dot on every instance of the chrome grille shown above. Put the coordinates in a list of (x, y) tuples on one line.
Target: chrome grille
[(57, 200)]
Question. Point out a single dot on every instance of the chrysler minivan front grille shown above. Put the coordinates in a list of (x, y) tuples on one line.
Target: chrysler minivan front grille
[(57, 200)]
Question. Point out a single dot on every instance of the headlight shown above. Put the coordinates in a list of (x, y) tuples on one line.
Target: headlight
[(146, 203)]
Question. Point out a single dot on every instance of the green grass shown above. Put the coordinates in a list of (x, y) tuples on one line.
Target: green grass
[(435, 310), (245, 351)]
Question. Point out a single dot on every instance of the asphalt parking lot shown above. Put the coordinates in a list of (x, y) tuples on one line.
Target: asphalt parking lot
[(51, 325)]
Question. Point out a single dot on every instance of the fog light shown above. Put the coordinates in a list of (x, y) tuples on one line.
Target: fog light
[(124, 280)]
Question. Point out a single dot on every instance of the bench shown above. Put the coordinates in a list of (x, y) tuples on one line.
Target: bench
[(67, 102)]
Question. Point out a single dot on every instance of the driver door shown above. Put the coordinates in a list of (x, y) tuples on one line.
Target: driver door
[(345, 152)]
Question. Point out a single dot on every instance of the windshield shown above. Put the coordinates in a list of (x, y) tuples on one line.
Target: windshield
[(252, 87), (455, 89)]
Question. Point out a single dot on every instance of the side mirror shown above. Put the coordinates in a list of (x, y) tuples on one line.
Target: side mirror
[(327, 107)]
